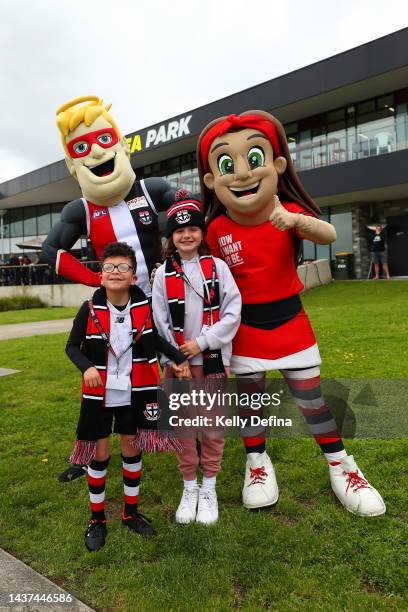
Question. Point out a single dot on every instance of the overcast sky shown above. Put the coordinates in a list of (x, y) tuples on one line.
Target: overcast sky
[(155, 59)]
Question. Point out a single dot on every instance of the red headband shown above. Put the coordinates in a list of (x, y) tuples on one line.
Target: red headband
[(232, 122)]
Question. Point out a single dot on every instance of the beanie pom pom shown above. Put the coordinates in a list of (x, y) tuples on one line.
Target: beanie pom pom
[(181, 194)]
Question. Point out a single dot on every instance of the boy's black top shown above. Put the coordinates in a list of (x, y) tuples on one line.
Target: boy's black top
[(378, 243), (78, 333)]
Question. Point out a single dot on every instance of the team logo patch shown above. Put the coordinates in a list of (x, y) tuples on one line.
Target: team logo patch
[(139, 202), (99, 213), (152, 412), (182, 216), (145, 217)]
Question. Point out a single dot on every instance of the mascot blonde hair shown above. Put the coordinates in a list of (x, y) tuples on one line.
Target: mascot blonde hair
[(70, 115)]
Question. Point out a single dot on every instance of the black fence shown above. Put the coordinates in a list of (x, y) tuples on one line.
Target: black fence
[(37, 274)]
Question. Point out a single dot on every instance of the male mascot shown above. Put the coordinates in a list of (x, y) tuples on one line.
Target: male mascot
[(258, 214), (114, 207)]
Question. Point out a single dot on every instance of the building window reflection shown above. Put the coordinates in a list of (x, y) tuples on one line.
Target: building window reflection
[(373, 127), (180, 172), (43, 219), (341, 217)]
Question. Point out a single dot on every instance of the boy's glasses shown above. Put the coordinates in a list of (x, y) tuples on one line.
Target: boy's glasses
[(122, 267)]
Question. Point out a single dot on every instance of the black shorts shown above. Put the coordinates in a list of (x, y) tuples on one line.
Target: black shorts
[(379, 256), (100, 422)]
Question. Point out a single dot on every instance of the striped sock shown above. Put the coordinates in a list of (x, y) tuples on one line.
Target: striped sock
[(253, 438), (96, 483), (132, 471), (304, 386), (256, 444)]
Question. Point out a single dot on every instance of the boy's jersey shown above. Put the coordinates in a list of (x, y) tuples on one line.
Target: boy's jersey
[(261, 257)]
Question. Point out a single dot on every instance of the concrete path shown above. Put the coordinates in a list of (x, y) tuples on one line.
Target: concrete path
[(8, 371), (17, 578), (39, 328)]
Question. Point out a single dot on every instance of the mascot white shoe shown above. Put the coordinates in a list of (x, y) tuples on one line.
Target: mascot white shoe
[(353, 491), (260, 486)]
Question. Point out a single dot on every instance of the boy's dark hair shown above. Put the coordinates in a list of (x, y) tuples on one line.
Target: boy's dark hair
[(119, 249)]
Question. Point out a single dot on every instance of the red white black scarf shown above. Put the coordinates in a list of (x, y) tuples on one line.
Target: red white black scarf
[(145, 391), (175, 280)]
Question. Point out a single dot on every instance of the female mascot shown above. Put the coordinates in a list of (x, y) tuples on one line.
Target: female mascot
[(258, 213)]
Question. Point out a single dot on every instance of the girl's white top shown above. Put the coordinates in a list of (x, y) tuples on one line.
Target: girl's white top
[(219, 335)]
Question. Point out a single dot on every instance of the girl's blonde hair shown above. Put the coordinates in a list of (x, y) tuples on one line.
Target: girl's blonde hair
[(70, 115)]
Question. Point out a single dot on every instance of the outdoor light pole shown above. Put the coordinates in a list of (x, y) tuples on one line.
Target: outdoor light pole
[(2, 213)]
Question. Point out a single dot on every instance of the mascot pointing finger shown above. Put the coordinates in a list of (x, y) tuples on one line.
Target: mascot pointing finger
[(258, 214)]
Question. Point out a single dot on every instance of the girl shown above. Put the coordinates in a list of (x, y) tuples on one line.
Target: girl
[(196, 306), (244, 167)]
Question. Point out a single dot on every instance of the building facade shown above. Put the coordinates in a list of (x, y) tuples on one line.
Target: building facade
[(346, 120)]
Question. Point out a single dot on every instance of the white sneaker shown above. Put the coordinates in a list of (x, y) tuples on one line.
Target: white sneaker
[(260, 486), (207, 512), (186, 511), (353, 491)]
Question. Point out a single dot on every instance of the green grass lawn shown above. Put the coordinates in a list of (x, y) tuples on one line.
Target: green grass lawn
[(307, 553), (30, 315)]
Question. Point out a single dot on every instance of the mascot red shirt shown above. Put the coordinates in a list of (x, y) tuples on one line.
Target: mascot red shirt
[(262, 261)]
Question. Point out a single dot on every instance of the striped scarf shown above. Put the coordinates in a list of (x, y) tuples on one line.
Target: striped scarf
[(145, 392), (174, 278)]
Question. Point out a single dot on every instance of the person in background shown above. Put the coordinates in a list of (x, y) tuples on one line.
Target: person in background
[(25, 269), (378, 248), (14, 274)]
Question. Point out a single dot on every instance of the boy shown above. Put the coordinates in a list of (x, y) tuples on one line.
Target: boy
[(113, 343)]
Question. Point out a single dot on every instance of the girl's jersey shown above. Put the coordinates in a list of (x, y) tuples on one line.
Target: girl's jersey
[(260, 257)]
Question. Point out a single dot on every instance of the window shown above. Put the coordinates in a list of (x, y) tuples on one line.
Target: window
[(401, 126), (357, 131), (30, 221), (323, 250), (43, 219), (16, 222), (308, 250), (340, 217), (56, 213)]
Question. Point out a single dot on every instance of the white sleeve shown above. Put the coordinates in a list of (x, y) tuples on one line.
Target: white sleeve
[(224, 330), (161, 311)]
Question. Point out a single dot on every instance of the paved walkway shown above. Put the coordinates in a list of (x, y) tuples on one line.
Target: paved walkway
[(39, 328), (16, 578), (8, 371)]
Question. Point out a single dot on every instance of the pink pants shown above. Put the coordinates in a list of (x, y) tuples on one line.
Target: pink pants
[(212, 445)]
